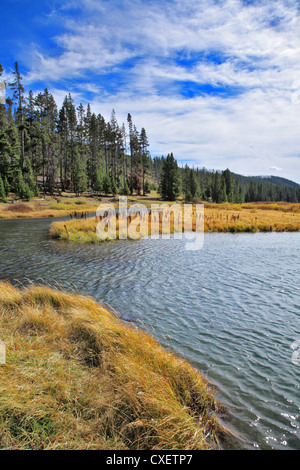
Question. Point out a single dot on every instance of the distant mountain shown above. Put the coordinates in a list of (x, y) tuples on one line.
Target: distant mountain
[(279, 181), (276, 180)]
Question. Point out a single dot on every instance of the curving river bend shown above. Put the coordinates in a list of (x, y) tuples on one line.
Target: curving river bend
[(232, 309)]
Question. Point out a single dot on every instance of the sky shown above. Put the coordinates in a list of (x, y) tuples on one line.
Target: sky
[(216, 82)]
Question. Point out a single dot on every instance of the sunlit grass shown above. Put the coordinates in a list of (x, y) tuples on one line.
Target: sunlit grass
[(77, 377), (233, 218), (49, 207), (253, 218)]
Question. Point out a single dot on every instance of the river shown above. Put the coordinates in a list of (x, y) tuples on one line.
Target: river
[(231, 308)]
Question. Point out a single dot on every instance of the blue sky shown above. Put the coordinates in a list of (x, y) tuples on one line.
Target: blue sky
[(216, 82)]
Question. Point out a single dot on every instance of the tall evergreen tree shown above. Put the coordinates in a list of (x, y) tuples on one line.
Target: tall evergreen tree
[(170, 185), (18, 96), (216, 187), (228, 182), (79, 175), (144, 144), (29, 178), (2, 191)]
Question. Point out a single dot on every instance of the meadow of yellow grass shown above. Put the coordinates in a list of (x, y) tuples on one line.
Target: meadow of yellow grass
[(255, 217), (49, 207), (77, 377), (252, 217), (62, 206)]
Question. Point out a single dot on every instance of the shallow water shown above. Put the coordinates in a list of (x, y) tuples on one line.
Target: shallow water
[(231, 308)]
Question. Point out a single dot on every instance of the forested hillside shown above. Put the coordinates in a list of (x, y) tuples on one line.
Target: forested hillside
[(44, 149)]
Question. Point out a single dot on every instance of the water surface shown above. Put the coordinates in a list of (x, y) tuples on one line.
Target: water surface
[(232, 309)]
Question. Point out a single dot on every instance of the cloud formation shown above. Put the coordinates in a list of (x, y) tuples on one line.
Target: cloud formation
[(216, 82)]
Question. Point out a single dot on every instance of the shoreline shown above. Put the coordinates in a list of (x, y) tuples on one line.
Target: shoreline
[(44, 326), (228, 219), (41, 224)]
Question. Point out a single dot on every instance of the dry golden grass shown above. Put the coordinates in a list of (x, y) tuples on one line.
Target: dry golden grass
[(254, 217), (68, 204), (217, 218), (50, 207), (77, 377), (65, 205), (20, 208)]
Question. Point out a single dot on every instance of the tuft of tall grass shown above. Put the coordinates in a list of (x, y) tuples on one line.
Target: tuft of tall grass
[(77, 377), (19, 207)]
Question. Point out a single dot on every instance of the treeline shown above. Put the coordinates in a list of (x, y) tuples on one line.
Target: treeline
[(216, 186), (46, 149), (50, 150)]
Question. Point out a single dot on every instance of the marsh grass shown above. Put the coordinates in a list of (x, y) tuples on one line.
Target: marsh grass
[(232, 218), (253, 218), (77, 377), (49, 208)]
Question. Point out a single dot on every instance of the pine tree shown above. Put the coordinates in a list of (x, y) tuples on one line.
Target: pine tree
[(2, 103), (93, 147), (62, 129), (147, 188), (216, 187), (29, 177), (5, 153), (98, 182), (67, 124), (137, 169), (135, 158), (5, 144), (106, 184), (79, 175), (125, 162), (113, 143), (18, 96), (2, 191), (126, 190), (186, 183), (27, 193), (222, 194), (194, 185), (6, 185), (13, 163), (144, 144), (170, 185), (47, 117), (72, 124), (130, 126), (227, 177), (33, 127), (22, 189), (113, 186)]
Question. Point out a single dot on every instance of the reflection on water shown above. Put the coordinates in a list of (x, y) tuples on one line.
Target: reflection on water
[(231, 308)]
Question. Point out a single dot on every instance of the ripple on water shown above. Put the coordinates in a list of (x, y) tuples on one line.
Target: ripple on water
[(231, 308)]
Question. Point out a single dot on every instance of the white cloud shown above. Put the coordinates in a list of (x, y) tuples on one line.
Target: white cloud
[(275, 168), (259, 50), (107, 35), (244, 134)]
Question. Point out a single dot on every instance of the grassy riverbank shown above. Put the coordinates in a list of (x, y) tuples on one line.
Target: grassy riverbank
[(77, 377), (252, 217), (234, 218), (48, 207), (226, 217), (63, 206)]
